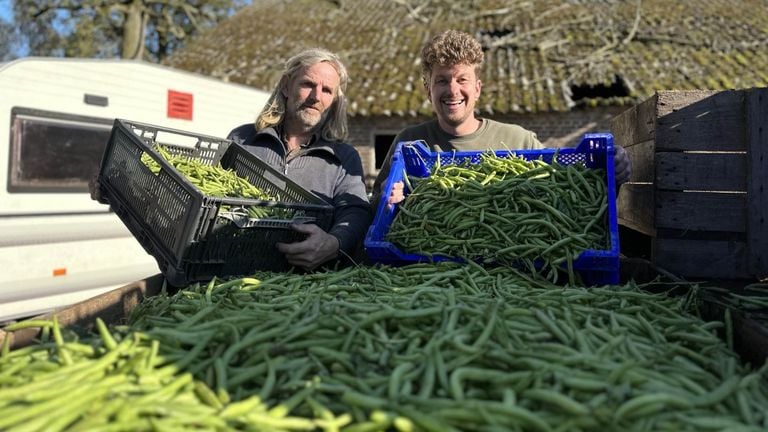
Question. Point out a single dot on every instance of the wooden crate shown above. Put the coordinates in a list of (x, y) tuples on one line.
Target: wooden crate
[(113, 307), (699, 186)]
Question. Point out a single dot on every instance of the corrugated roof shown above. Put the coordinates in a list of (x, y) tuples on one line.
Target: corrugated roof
[(541, 55)]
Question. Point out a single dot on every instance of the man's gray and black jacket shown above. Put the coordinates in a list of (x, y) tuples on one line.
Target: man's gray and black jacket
[(331, 170)]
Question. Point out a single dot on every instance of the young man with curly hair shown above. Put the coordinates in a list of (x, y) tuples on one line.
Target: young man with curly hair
[(451, 64)]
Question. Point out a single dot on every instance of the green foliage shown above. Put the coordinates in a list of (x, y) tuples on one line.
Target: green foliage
[(142, 29)]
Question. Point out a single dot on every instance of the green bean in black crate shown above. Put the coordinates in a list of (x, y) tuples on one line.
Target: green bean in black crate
[(216, 181), (505, 209), (458, 347)]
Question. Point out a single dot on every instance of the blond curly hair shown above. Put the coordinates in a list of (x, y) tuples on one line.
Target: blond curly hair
[(449, 48)]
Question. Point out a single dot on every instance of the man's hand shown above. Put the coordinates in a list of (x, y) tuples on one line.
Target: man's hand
[(397, 195), (622, 165), (318, 248), (95, 189)]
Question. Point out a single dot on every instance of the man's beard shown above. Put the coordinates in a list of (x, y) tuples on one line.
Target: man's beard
[(308, 118)]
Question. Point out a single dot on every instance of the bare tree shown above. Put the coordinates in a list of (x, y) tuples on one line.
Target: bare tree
[(136, 29), (7, 42)]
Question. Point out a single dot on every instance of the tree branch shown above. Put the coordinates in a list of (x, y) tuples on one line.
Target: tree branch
[(635, 25), (513, 40), (414, 12), (602, 52)]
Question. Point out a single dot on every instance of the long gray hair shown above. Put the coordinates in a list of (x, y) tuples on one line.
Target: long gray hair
[(335, 126)]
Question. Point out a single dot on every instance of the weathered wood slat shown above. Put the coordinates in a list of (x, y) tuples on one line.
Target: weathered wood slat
[(642, 155), (113, 307), (701, 120), (635, 207), (701, 211), (702, 258), (757, 146), (635, 125), (701, 171)]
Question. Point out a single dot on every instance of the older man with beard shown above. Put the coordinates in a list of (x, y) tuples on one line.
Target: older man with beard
[(300, 132)]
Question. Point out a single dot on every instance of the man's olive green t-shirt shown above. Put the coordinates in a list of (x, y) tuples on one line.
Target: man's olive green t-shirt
[(491, 135)]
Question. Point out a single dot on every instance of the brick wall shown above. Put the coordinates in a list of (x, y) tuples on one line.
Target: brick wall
[(553, 129)]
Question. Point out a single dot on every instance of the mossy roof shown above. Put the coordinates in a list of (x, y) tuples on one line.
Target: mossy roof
[(541, 55)]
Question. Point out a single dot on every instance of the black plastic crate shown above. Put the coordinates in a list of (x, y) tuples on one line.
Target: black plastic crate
[(195, 237)]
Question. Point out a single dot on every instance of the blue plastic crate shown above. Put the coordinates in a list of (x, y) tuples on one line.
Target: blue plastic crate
[(596, 267)]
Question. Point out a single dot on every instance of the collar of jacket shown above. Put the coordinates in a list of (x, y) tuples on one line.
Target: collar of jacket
[(317, 143)]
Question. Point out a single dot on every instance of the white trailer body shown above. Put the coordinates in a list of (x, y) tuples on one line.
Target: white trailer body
[(57, 246)]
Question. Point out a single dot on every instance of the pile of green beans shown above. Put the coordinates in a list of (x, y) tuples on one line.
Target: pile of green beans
[(507, 210), (752, 298), (448, 347), (216, 181), (109, 383), (749, 302)]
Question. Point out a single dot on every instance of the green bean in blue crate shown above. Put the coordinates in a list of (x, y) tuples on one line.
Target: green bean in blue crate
[(458, 347), (505, 209)]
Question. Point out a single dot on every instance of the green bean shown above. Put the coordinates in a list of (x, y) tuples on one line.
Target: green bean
[(440, 232), (448, 345), (30, 323), (358, 399), (557, 399), (640, 405), (725, 389)]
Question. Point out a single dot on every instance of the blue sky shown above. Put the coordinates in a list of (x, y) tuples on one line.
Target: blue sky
[(5, 10)]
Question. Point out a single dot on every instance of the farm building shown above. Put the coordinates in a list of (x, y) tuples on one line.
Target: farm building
[(557, 67)]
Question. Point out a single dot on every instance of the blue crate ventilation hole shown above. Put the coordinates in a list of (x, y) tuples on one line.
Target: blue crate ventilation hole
[(596, 150)]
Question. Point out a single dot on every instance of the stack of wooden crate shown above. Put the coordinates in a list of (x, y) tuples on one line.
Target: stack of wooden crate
[(699, 187)]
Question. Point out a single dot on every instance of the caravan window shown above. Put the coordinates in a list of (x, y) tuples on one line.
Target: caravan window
[(53, 152)]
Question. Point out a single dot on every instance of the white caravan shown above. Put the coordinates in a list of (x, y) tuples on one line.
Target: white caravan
[(57, 246)]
